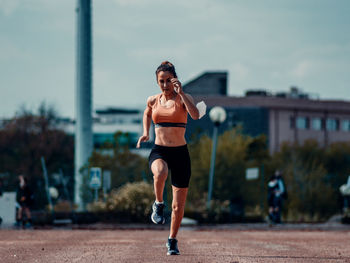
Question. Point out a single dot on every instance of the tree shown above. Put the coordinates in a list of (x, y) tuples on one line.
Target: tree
[(312, 173), (235, 153), (337, 163), (116, 157), (26, 138), (311, 197)]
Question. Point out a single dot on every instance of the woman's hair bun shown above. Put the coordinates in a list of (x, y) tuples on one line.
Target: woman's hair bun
[(167, 63), (166, 66)]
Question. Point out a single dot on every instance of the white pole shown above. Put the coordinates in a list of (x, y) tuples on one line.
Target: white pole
[(212, 164), (83, 133)]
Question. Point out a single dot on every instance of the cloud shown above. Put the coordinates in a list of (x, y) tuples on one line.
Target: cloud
[(239, 71), (7, 7), (302, 69), (10, 52), (178, 3), (103, 77), (180, 52), (134, 2)]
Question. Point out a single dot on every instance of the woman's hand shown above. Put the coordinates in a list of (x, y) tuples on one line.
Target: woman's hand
[(177, 85), (143, 138)]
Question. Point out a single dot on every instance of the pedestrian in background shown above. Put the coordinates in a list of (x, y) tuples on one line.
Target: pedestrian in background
[(24, 199), (276, 193), (1, 186)]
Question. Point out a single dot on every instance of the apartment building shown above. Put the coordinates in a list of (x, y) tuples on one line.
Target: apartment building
[(290, 116)]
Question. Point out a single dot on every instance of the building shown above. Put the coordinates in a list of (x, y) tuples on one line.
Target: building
[(283, 117), (108, 121), (291, 116), (208, 83)]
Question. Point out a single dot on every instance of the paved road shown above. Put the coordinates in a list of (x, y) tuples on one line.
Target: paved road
[(229, 245)]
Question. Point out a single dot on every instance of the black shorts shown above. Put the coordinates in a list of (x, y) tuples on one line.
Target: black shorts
[(178, 161)]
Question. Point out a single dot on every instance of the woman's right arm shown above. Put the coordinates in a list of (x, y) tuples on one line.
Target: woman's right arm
[(147, 116)]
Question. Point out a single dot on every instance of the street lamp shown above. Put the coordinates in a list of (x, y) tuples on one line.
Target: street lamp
[(217, 116)]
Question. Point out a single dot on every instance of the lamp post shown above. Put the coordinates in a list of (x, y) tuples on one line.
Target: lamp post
[(217, 116)]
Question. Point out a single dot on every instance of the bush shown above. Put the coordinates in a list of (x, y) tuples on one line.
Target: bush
[(64, 206), (219, 212), (132, 199), (124, 166)]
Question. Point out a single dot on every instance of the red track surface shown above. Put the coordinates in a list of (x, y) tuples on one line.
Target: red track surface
[(195, 246)]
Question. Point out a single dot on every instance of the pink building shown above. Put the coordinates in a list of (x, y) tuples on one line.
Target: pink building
[(293, 119), (284, 117)]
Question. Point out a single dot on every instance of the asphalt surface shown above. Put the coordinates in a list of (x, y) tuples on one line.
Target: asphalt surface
[(227, 243)]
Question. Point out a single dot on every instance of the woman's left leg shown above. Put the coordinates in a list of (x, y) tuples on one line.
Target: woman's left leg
[(180, 166), (178, 208)]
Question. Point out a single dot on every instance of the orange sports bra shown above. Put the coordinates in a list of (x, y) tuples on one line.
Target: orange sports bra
[(175, 116)]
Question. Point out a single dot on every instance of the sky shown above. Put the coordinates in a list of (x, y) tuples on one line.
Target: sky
[(270, 44)]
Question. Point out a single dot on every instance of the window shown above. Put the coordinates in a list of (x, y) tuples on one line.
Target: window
[(316, 124), (101, 138), (223, 86), (332, 124), (291, 122), (346, 125), (136, 121), (302, 123)]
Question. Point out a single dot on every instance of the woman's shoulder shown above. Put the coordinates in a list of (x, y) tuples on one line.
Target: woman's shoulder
[(152, 99)]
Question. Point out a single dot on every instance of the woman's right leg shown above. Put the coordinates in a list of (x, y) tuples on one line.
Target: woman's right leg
[(19, 213), (160, 173), (27, 212)]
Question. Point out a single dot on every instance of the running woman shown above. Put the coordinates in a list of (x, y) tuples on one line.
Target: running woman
[(169, 110)]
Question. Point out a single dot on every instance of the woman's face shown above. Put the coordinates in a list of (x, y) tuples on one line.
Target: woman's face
[(164, 82)]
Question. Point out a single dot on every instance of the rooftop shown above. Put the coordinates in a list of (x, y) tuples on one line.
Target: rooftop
[(273, 102)]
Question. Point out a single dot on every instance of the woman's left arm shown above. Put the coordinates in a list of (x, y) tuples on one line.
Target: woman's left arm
[(186, 99), (189, 104)]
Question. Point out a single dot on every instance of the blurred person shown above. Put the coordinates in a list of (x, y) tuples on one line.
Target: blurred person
[(276, 193), (24, 200), (345, 192), (1, 186), (169, 110)]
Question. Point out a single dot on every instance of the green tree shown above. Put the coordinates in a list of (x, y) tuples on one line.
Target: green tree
[(311, 197), (312, 173), (337, 163), (235, 153), (116, 157)]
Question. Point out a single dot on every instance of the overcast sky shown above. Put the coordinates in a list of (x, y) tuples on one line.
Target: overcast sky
[(270, 44)]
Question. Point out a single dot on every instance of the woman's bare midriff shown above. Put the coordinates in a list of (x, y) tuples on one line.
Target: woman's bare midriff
[(170, 136)]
